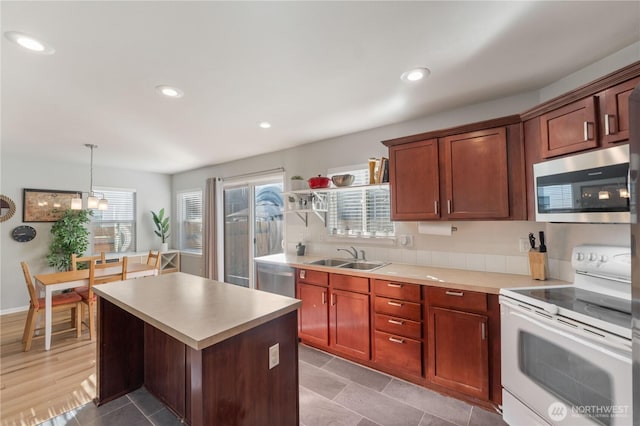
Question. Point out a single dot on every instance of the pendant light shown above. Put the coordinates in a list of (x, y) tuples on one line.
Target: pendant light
[(92, 200)]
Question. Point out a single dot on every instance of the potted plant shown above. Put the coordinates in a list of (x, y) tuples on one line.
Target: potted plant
[(298, 183), (162, 228), (70, 236)]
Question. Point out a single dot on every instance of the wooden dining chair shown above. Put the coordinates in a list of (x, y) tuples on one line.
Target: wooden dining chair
[(101, 273), (154, 259), (76, 261), (71, 301)]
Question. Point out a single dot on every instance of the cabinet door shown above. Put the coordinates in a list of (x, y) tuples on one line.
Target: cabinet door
[(414, 180), (476, 175), (569, 129), (313, 315), (350, 323), (459, 351), (615, 112)]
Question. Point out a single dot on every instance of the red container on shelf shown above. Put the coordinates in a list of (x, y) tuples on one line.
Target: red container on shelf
[(319, 182)]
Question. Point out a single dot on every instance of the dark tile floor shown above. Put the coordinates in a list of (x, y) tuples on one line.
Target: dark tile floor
[(332, 392)]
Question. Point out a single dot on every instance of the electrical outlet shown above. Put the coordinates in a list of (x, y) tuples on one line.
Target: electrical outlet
[(274, 355), (524, 245), (405, 241)]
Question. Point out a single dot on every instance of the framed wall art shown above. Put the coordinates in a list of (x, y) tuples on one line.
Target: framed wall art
[(45, 205)]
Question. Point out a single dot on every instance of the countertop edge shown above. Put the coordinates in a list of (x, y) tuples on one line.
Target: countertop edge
[(199, 344), (380, 274)]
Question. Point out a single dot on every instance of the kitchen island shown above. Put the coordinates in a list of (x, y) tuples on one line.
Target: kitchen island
[(214, 353)]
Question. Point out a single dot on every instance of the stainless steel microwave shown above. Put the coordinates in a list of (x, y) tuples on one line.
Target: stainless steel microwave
[(590, 188)]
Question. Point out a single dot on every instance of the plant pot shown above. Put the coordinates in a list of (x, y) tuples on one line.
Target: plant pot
[(298, 184), (164, 247)]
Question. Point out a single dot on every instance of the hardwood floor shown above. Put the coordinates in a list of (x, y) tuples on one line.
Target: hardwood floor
[(38, 385)]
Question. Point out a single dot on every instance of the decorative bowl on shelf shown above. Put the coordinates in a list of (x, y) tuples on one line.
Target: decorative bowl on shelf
[(342, 180), (319, 182)]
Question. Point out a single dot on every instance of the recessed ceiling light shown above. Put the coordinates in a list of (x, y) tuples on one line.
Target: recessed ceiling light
[(169, 91), (416, 74), (265, 125), (29, 42)]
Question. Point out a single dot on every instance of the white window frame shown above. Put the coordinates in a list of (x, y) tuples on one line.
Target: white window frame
[(333, 200), (134, 238), (180, 201)]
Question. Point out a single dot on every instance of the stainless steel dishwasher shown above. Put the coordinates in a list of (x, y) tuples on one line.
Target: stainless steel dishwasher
[(279, 279)]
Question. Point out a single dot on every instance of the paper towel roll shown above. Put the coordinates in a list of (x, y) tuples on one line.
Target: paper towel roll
[(435, 228)]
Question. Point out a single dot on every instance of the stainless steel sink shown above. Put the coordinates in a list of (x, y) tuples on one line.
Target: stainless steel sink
[(363, 266), (330, 262)]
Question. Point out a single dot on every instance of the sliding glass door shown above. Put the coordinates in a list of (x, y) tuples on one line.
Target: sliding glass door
[(253, 226)]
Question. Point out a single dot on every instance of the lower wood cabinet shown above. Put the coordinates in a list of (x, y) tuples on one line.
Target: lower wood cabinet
[(459, 351), (349, 323), (332, 316), (397, 339), (448, 339), (313, 316)]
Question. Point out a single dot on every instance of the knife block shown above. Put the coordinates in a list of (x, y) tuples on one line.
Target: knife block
[(538, 265)]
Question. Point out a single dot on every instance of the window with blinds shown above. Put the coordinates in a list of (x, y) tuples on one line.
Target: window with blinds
[(363, 211), (114, 230), (190, 220)]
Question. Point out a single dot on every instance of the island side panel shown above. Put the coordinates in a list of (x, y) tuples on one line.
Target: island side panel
[(120, 352), (237, 385), (164, 368)]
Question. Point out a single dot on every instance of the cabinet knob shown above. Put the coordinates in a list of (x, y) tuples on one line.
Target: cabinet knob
[(396, 322), (394, 304), (454, 293), (394, 285), (396, 340)]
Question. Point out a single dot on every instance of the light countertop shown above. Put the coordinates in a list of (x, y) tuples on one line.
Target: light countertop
[(486, 282), (196, 311)]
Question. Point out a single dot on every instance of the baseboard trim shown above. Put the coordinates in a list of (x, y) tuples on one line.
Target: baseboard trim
[(14, 310)]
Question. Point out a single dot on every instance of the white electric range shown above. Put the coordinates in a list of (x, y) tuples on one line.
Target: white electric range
[(566, 350)]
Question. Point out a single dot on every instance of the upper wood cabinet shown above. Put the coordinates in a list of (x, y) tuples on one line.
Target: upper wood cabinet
[(569, 129), (614, 112), (470, 172), (475, 175), (589, 117), (415, 180), (593, 122)]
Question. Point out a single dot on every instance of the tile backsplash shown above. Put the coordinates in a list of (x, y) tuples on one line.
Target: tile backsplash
[(477, 246)]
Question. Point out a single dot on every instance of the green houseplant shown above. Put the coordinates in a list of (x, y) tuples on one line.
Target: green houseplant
[(70, 235), (162, 227)]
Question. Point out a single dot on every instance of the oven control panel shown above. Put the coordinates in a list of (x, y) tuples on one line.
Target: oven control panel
[(614, 261)]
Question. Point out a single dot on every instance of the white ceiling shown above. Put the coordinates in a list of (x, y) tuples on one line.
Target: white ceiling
[(315, 70)]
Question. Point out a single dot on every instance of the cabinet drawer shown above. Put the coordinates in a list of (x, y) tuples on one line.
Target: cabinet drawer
[(399, 326), (399, 352), (398, 308), (312, 277), (349, 283), (452, 298), (395, 290)]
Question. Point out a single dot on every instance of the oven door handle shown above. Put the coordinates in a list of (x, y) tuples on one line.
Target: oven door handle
[(578, 339)]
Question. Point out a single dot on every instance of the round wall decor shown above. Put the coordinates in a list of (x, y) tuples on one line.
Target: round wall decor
[(7, 208), (23, 233)]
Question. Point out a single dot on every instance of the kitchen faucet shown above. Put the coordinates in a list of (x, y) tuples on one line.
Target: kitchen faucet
[(353, 253)]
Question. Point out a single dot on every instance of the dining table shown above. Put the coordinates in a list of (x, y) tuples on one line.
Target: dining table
[(55, 281)]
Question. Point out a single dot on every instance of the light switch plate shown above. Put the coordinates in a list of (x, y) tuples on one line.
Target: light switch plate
[(274, 355)]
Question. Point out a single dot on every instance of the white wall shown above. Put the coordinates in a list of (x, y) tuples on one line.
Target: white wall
[(492, 246), (18, 172)]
